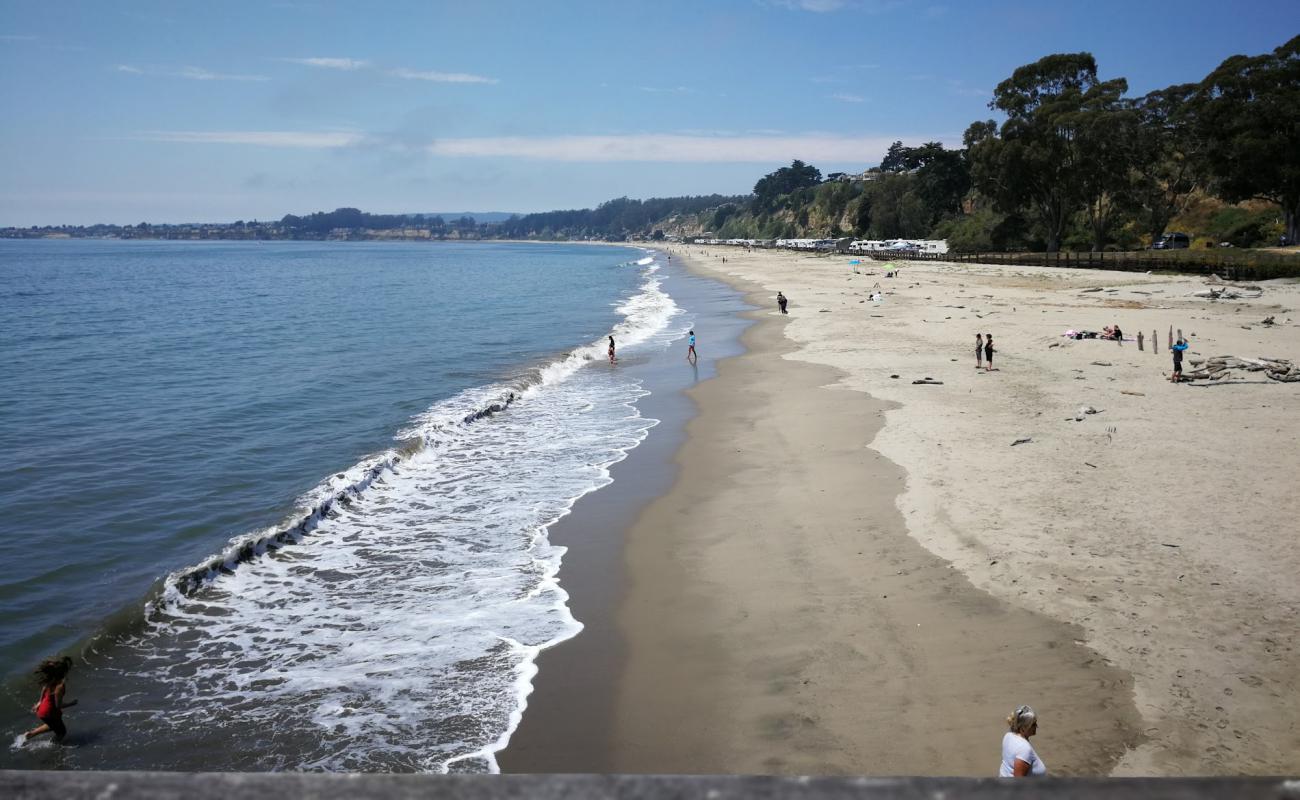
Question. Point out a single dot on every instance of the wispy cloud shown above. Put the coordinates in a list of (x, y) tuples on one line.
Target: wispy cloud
[(815, 6), (646, 147), (668, 90), (347, 64), (15, 37), (845, 97), (439, 77), (189, 73), (298, 139), (669, 148), (405, 73), (958, 86)]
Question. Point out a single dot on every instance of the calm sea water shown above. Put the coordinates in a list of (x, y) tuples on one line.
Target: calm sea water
[(289, 500)]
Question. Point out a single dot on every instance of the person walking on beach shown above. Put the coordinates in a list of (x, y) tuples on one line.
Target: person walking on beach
[(780, 302), (690, 350), (1019, 759), (611, 349), (988, 352), (53, 677), (1177, 350), (979, 350)]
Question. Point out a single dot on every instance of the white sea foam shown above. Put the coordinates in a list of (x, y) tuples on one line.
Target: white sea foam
[(401, 634)]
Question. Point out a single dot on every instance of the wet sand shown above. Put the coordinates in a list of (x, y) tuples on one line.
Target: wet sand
[(778, 618)]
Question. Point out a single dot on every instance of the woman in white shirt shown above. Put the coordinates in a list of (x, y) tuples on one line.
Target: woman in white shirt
[(1018, 756)]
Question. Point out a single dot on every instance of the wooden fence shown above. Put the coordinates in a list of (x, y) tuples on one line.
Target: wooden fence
[(1237, 266)]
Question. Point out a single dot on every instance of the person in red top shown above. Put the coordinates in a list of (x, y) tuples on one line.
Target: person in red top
[(53, 677)]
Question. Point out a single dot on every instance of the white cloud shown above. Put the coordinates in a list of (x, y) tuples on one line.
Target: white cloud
[(845, 97), (649, 147), (347, 64), (200, 74), (189, 73), (439, 77), (668, 90), (816, 6), (299, 139), (668, 148)]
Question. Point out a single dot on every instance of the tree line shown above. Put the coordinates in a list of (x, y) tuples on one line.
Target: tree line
[(1076, 162)]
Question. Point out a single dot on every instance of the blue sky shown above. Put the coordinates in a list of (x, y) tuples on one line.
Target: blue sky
[(214, 111)]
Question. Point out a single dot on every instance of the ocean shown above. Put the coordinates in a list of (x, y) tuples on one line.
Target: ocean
[(287, 503)]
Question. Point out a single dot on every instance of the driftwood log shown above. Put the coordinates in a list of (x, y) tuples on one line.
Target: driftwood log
[(1220, 367)]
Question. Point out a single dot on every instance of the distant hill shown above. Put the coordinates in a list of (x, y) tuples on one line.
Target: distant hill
[(477, 216)]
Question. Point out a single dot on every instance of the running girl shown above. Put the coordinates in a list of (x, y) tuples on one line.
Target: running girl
[(53, 677)]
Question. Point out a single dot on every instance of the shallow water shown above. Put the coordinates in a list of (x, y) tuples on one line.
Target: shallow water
[(333, 463)]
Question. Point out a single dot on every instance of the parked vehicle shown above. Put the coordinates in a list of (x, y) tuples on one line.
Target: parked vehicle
[(1172, 241)]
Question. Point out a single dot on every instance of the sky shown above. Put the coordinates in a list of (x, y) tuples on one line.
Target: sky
[(187, 111)]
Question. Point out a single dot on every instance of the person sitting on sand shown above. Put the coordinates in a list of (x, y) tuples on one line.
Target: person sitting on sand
[(53, 677), (979, 350), (988, 352), (1019, 759), (1177, 350)]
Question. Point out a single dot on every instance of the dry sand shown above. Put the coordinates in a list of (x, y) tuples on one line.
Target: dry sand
[(1133, 575)]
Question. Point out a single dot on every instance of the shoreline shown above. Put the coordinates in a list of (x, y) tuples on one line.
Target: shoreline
[(764, 584), (1147, 530)]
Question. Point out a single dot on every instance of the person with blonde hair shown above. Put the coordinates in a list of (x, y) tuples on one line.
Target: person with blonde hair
[(1019, 759)]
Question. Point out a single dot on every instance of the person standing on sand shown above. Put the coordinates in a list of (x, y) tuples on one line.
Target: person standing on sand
[(611, 349), (1019, 759), (690, 350), (780, 302), (1119, 336), (53, 677), (988, 352), (979, 350), (1178, 349)]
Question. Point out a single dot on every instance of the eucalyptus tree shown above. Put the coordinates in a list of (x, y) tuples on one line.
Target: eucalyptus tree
[(1047, 156), (1247, 111), (1167, 155)]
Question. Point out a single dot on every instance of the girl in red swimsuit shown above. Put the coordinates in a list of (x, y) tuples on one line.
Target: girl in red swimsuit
[(53, 676)]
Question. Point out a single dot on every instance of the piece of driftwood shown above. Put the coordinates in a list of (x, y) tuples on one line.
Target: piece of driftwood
[(1021, 441), (1135, 394), (1220, 367), (927, 382)]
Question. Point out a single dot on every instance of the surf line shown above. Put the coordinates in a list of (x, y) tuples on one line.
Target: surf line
[(247, 548)]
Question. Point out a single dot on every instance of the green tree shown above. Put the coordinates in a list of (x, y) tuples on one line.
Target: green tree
[(1247, 111), (1040, 158), (786, 180), (1167, 153)]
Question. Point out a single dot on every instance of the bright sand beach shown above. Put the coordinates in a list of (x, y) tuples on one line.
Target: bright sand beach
[(1132, 575), (856, 574)]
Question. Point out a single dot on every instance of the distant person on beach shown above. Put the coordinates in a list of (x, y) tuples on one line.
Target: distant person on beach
[(690, 351), (1019, 759), (988, 352), (53, 677), (979, 350), (780, 302), (1119, 336), (611, 349), (1178, 349)]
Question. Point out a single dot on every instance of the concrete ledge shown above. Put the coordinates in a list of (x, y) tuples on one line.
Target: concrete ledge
[(21, 785)]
